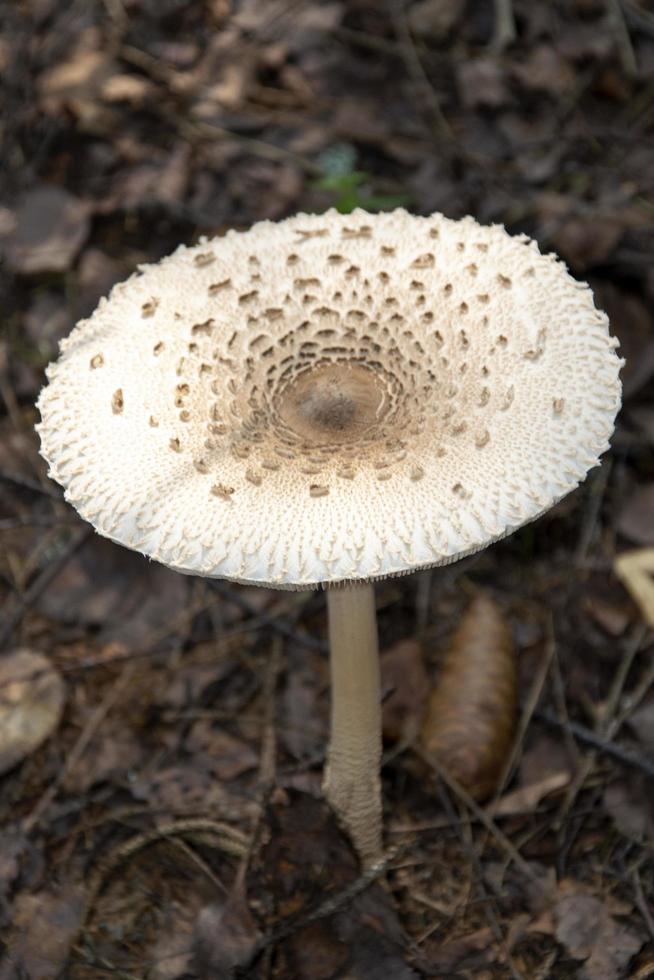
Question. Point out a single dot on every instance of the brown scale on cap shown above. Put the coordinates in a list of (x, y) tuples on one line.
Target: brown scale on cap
[(391, 368)]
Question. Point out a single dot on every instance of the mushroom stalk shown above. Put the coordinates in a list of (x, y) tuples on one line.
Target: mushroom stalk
[(352, 781)]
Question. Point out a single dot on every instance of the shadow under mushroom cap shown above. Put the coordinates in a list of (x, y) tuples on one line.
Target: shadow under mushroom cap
[(331, 398)]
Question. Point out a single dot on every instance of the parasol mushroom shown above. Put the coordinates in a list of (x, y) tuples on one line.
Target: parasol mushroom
[(327, 401)]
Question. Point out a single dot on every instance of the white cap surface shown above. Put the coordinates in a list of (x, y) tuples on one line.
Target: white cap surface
[(331, 398)]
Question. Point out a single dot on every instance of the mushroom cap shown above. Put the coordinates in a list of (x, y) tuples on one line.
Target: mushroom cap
[(331, 398)]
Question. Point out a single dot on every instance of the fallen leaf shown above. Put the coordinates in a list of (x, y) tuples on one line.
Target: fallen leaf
[(642, 418), (230, 756), (527, 798), (96, 274), (304, 727), (435, 18), (76, 81), (171, 953), (405, 686), (641, 721), (587, 241), (225, 936), (628, 801), (21, 866), (46, 321), (32, 696), (160, 181), (583, 42), (470, 715), (45, 925), (633, 324), (194, 683), (635, 570), (612, 618), (128, 88), (636, 517), (481, 82), (543, 759), (590, 933), (51, 226), (103, 585), (544, 70), (111, 755), (470, 952), (186, 789), (305, 861)]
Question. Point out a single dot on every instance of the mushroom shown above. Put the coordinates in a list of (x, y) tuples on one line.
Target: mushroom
[(327, 401)]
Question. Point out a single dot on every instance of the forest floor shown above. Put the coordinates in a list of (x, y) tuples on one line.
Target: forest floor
[(171, 824)]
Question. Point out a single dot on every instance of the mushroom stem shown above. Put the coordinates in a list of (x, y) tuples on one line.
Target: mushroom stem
[(352, 782)]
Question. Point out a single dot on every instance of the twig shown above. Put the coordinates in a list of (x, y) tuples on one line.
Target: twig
[(266, 761), (505, 32), (37, 520), (200, 863), (370, 41), (596, 491), (595, 741), (26, 483), (610, 724), (38, 587), (276, 623), (641, 902), (416, 69), (481, 815), (528, 710), (78, 749), (423, 597), (199, 129), (638, 17), (625, 48), (558, 691), (532, 700), (117, 14)]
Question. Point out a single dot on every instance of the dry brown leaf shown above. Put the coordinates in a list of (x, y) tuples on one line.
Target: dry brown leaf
[(589, 932), (481, 82), (635, 570), (32, 697), (231, 756), (171, 952), (77, 80), (51, 226), (527, 798), (636, 518), (45, 925), (470, 715), (628, 801), (435, 18), (405, 686), (544, 70), (225, 936)]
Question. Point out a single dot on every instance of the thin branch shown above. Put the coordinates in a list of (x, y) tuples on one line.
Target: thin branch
[(26, 483), (505, 32), (23, 602), (603, 745), (625, 48), (280, 625), (481, 815), (416, 69), (78, 749)]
